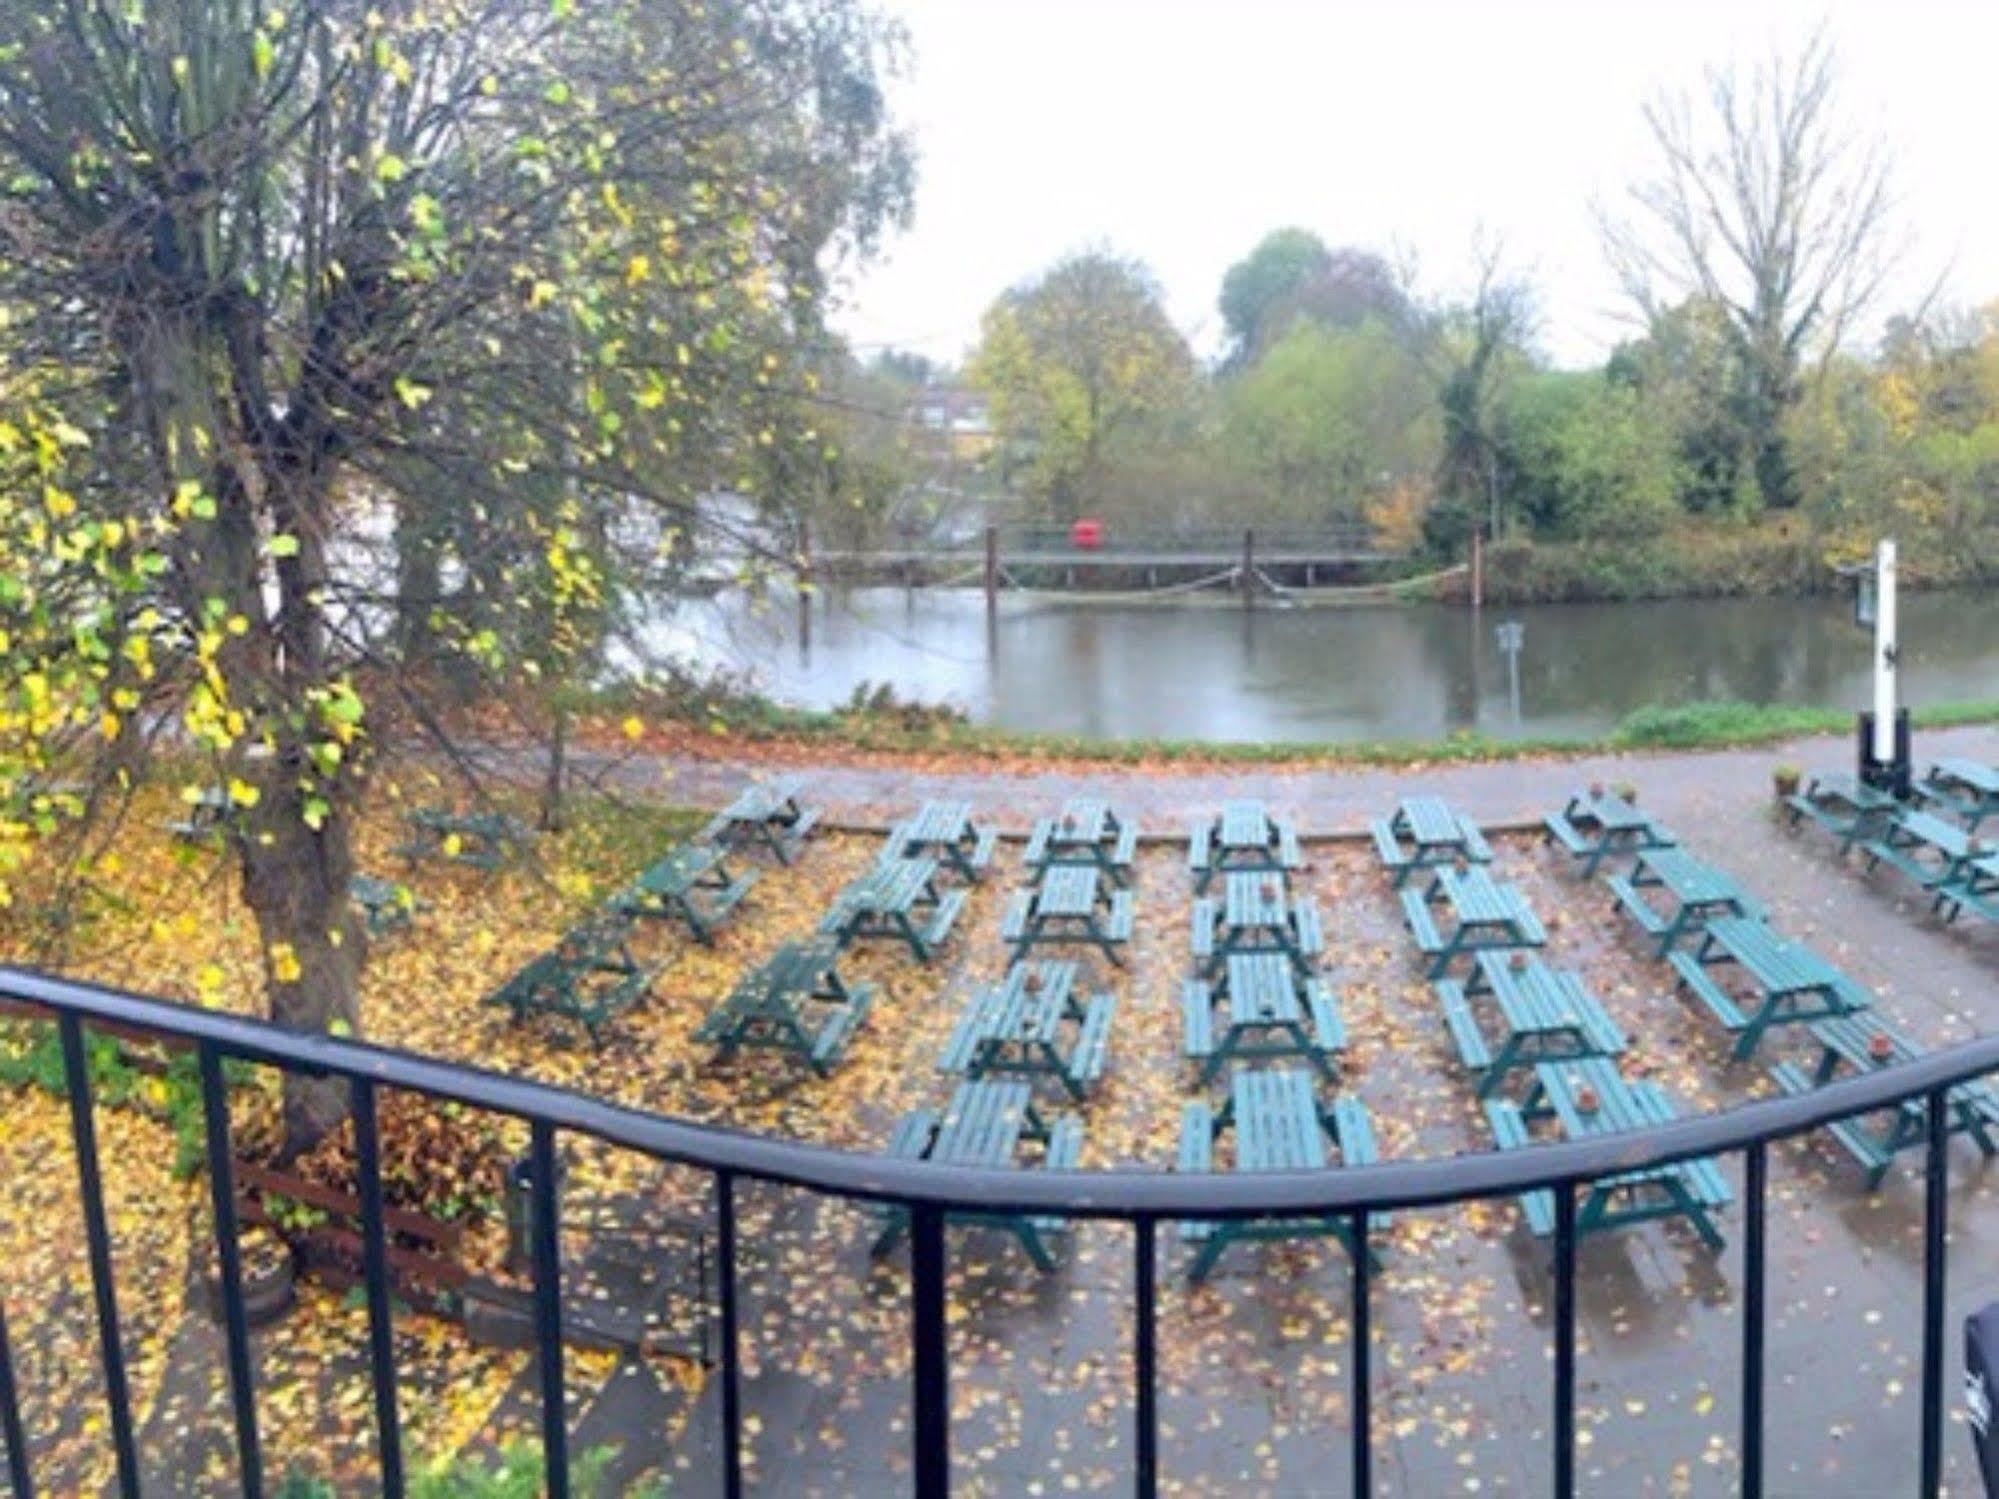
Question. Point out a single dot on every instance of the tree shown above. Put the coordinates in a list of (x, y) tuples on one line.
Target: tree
[(1071, 363), (1292, 274), (521, 274), (1585, 457), (1330, 418), (1474, 350), (1764, 208)]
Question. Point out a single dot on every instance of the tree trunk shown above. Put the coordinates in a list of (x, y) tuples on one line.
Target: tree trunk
[(296, 881), (553, 812), (419, 583)]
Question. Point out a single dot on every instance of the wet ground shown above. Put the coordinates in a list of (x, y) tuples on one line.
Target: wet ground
[(1255, 1365)]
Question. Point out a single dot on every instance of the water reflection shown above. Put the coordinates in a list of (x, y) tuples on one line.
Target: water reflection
[(1222, 672)]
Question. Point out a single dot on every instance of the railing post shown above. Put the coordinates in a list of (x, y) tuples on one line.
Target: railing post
[(732, 1384), (229, 1267), (97, 1229), (992, 573), (1756, 1174), (1565, 1340), (1145, 1403), (931, 1363), (1936, 1221), (11, 1430), (375, 1274), (1363, 1359)]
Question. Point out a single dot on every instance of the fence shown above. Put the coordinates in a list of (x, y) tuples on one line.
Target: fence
[(931, 1194)]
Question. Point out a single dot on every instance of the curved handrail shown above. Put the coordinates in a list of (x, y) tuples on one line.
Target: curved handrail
[(1127, 1194)]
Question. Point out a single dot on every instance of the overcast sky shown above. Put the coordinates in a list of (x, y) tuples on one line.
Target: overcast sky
[(1180, 131)]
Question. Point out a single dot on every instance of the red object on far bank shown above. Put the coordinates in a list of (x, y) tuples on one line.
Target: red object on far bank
[(1086, 533)]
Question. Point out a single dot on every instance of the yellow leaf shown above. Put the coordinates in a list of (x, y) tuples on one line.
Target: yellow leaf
[(284, 963), (633, 727)]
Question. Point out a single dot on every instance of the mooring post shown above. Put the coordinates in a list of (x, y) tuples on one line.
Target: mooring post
[(992, 573), (1477, 566), (1249, 567)]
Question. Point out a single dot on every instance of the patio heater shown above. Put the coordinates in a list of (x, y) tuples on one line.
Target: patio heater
[(1884, 729)]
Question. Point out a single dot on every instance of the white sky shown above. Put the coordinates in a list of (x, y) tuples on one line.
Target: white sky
[(1180, 131)]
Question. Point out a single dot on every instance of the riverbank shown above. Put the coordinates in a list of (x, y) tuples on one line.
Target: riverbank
[(727, 725)]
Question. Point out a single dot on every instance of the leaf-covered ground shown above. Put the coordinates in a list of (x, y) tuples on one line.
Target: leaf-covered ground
[(1254, 1366)]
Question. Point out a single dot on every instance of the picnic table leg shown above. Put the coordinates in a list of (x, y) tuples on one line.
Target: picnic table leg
[(1697, 1214), (1218, 1239), (1495, 1074), (1029, 1234), (895, 1223)]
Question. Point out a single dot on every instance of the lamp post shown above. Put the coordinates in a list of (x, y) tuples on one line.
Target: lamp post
[(1884, 731)]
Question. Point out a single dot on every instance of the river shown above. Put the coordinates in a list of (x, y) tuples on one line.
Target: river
[(1219, 672)]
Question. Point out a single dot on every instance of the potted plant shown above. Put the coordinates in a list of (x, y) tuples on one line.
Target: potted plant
[(1586, 1099), (1881, 1047), (1627, 791), (1785, 779)]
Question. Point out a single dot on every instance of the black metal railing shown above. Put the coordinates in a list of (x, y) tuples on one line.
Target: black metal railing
[(930, 1193)]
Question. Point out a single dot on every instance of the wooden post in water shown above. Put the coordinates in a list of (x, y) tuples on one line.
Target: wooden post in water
[(1477, 567), (992, 573), (1249, 567)]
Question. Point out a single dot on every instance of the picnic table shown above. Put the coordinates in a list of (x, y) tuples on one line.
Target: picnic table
[(1086, 831), (1427, 832), (794, 1001), (1697, 891), (984, 1125), (1268, 1010), (1861, 1043), (1588, 1098), (589, 976), (209, 811), (1036, 1024), (945, 832), (1975, 884), (1278, 1124), (1922, 845), (1789, 984), (1484, 913), (896, 900), (690, 884), (1256, 914), (1072, 905), (1842, 804), (484, 840), (1967, 788), (1244, 838), (767, 815), (1545, 1014), (385, 906), (1596, 824)]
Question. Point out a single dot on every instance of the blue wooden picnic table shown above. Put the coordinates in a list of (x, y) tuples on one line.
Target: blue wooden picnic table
[(984, 1125), (895, 900), (590, 976), (945, 831), (1922, 846), (207, 812), (1857, 1044), (795, 1001), (1545, 1014), (1975, 884), (1245, 838), (1279, 1124), (767, 815), (1696, 891), (485, 840), (1071, 905), (691, 884), (1427, 832), (1788, 983), (1256, 914), (1267, 1011), (1588, 1098), (386, 906), (1596, 824), (1481, 913), (1085, 831), (1969, 789), (1842, 804), (1035, 1023)]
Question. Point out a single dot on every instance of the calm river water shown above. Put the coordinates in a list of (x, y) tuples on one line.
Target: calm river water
[(1205, 671)]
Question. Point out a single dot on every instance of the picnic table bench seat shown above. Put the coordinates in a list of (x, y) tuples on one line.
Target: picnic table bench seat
[(1469, 1040), (484, 840), (1558, 829), (1695, 979), (588, 979), (691, 884), (793, 1001), (1904, 838), (896, 900), (1875, 1161), (1311, 932), (1974, 886), (1637, 907), (1422, 923), (1092, 1045), (1200, 847), (767, 815)]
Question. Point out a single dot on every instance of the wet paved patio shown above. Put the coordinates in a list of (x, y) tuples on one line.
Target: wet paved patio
[(1254, 1365)]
